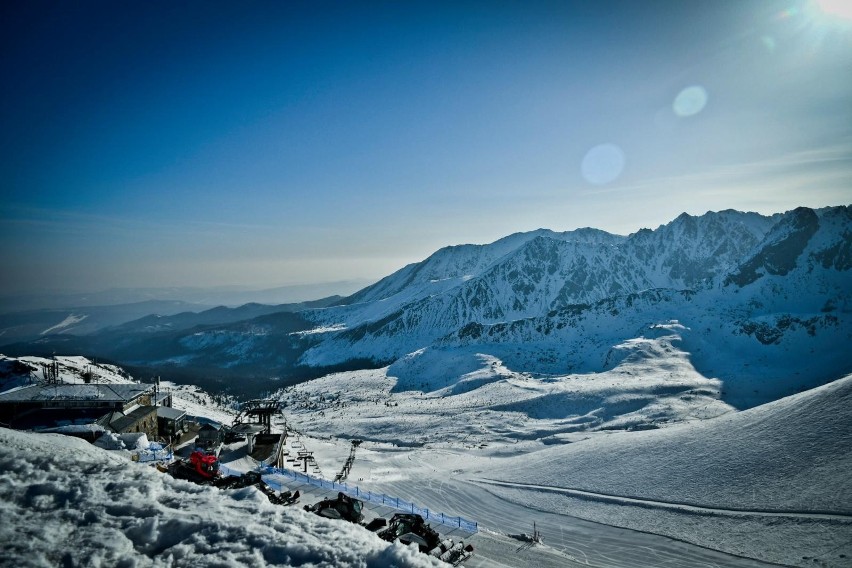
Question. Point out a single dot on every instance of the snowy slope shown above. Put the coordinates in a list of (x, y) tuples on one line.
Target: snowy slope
[(502, 447), (67, 503), (464, 397), (19, 371), (770, 483), (789, 455)]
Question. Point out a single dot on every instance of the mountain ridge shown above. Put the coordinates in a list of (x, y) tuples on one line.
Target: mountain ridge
[(767, 292)]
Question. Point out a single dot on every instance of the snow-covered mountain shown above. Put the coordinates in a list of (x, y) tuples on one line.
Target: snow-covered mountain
[(529, 274), (557, 269), (752, 291), (764, 302)]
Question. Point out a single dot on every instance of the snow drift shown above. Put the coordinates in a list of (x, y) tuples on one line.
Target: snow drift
[(65, 502)]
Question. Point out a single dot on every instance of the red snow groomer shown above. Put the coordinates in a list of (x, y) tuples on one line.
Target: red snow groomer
[(201, 468)]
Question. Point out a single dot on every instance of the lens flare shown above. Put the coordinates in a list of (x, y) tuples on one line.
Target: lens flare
[(602, 164), (690, 101), (788, 13)]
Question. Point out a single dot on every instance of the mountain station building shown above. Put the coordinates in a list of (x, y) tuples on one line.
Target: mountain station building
[(120, 408)]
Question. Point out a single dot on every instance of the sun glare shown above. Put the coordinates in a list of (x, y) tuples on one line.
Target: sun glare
[(839, 8)]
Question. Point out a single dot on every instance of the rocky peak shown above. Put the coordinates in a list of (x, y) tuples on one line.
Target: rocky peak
[(780, 249)]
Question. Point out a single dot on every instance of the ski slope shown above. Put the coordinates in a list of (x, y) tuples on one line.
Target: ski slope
[(769, 484), (701, 485)]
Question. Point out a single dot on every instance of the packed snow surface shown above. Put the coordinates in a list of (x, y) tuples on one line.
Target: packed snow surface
[(641, 465), (65, 502), (766, 458), (770, 483), (466, 398)]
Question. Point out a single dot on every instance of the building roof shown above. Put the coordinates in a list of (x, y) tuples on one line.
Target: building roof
[(170, 413), (100, 392), (132, 418), (161, 397), (51, 417), (109, 418)]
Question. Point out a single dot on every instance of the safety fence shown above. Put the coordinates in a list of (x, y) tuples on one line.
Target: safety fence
[(228, 472), (377, 498)]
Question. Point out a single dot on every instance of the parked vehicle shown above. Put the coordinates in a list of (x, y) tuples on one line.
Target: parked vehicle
[(343, 507)]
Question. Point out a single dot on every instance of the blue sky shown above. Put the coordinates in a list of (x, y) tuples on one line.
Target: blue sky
[(263, 144)]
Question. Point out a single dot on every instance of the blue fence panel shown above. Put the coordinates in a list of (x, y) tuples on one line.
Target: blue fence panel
[(274, 484), (228, 472)]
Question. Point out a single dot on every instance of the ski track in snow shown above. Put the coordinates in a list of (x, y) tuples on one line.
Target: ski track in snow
[(443, 475), (587, 527), (671, 505), (581, 541)]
